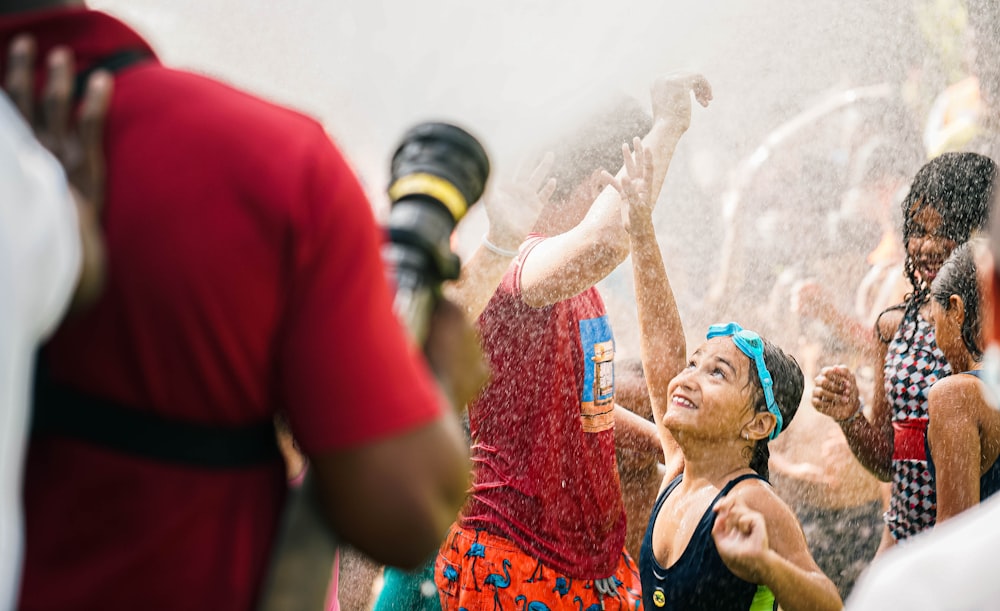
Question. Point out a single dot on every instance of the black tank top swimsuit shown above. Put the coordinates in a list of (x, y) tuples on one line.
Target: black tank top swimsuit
[(699, 580)]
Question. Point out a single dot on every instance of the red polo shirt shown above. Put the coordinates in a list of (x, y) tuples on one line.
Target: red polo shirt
[(245, 278)]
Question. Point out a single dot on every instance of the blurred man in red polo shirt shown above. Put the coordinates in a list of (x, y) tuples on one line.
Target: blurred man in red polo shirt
[(244, 280)]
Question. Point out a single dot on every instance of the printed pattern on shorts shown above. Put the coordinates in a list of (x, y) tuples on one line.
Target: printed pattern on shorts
[(913, 363), (478, 571)]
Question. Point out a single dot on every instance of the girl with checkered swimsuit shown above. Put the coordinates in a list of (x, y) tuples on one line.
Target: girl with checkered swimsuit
[(948, 201), (913, 363)]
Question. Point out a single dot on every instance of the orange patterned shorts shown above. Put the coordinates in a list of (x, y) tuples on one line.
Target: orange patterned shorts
[(477, 571)]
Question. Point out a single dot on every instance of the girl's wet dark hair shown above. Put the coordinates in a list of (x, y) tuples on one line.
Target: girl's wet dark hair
[(959, 187), (958, 277), (789, 384)]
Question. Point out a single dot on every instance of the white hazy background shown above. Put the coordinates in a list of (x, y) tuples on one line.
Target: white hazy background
[(519, 73), (369, 69), (512, 72)]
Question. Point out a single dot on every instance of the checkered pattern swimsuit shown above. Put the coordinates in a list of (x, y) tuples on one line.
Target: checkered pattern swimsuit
[(912, 364)]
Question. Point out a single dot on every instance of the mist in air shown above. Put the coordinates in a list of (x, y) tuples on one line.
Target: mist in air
[(764, 167)]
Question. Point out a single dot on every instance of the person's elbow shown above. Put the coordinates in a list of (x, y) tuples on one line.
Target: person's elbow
[(614, 246), (395, 499)]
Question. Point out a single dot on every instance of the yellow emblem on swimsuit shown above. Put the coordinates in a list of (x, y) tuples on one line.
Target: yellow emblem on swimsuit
[(658, 599)]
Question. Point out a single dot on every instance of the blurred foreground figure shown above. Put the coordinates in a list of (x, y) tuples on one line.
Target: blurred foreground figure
[(953, 566), (245, 279), (53, 258), (41, 257)]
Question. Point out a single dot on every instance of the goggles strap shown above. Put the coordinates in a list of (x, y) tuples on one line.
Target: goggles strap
[(751, 345)]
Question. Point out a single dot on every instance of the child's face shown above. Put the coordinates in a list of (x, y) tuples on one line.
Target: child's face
[(926, 246), (711, 397)]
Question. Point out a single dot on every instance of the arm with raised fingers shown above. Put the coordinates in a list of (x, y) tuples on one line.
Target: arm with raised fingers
[(661, 333), (567, 264)]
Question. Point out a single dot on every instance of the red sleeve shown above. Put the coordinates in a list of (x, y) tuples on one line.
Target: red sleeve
[(349, 373)]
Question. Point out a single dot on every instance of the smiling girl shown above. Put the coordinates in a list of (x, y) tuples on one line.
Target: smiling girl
[(719, 537)]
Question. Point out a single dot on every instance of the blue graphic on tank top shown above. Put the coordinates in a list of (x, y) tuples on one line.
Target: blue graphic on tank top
[(598, 393)]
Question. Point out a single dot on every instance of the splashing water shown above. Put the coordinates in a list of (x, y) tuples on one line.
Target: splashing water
[(520, 72)]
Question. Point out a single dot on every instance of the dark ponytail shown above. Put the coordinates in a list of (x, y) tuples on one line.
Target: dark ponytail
[(789, 383), (958, 277), (760, 457)]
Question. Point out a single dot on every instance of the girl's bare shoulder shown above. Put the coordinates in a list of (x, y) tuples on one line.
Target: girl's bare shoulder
[(956, 393), (888, 321)]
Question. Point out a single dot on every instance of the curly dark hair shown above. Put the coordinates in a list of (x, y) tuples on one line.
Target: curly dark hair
[(959, 187)]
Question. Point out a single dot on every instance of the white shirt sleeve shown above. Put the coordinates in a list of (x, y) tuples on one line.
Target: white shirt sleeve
[(39, 232), (952, 566), (40, 259)]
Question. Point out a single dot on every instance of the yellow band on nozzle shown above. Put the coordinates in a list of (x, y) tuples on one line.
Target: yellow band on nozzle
[(432, 186)]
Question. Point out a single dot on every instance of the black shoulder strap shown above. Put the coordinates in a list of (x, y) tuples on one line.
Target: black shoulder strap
[(663, 496), (112, 63), (732, 483)]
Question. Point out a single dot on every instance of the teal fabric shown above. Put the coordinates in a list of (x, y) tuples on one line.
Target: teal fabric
[(401, 590)]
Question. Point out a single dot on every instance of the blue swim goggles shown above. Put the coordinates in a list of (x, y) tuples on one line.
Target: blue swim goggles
[(752, 345)]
